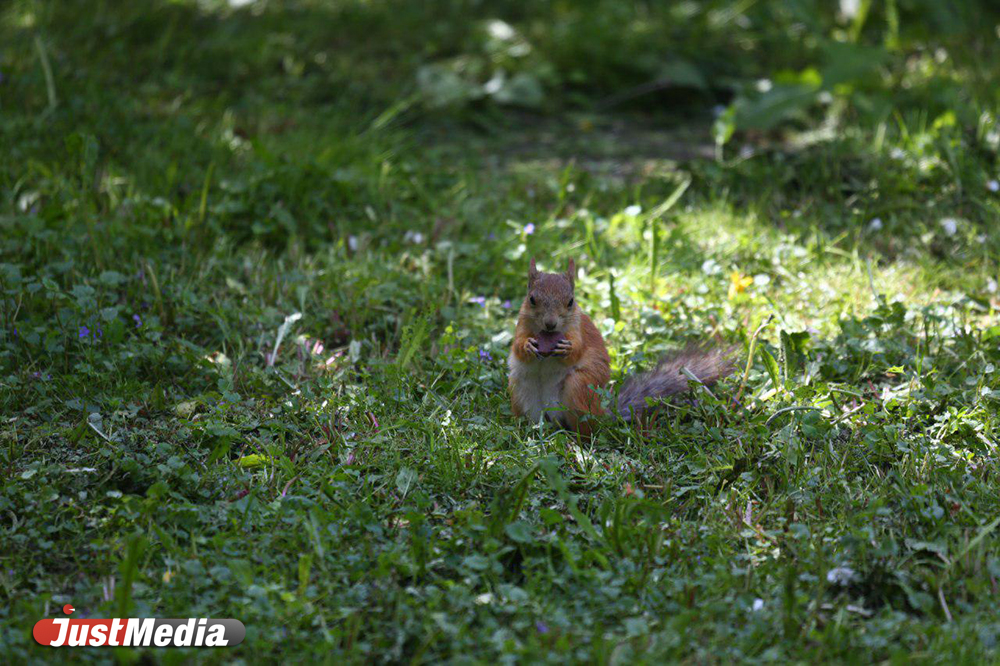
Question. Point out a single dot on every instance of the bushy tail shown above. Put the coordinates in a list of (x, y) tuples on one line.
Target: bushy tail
[(667, 378)]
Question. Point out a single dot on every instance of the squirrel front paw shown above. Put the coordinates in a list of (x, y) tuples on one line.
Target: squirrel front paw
[(531, 347), (563, 347)]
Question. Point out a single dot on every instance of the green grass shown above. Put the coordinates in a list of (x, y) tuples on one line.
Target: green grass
[(179, 178)]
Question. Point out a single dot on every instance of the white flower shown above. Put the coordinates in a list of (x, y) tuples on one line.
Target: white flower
[(764, 85), (991, 286), (746, 152), (993, 186), (840, 576), (500, 30), (850, 8), (950, 225), (414, 237), (352, 243), (633, 210), (875, 224), (494, 85), (758, 605), (711, 267)]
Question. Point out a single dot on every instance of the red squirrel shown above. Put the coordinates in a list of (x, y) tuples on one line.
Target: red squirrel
[(558, 358)]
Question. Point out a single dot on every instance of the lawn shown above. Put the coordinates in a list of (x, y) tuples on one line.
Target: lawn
[(260, 264)]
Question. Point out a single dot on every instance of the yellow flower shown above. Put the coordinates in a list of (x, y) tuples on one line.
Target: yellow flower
[(738, 284), (167, 575)]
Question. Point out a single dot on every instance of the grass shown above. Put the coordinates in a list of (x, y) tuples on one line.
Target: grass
[(181, 179)]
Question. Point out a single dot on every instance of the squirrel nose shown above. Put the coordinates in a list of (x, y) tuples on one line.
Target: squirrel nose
[(550, 326)]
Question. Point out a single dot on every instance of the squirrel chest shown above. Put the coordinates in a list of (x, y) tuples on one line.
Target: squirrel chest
[(537, 386)]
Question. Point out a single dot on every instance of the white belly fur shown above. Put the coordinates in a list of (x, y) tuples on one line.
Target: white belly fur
[(537, 385)]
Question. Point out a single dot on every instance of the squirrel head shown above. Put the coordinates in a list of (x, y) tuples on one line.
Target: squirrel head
[(550, 306)]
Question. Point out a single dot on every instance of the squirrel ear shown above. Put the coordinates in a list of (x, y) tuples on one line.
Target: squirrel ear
[(571, 271), (532, 272)]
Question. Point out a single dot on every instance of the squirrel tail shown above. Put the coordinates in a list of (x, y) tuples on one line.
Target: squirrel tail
[(709, 365)]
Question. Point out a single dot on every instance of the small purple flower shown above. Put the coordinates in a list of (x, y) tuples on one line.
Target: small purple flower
[(478, 300), (84, 331), (529, 228), (484, 355), (17, 334), (138, 320), (542, 627), (506, 304), (491, 236), (100, 332)]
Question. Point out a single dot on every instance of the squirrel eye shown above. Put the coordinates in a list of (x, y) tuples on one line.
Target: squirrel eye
[(531, 299), (570, 304)]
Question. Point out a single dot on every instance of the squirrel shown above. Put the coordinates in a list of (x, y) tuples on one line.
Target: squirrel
[(558, 359)]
